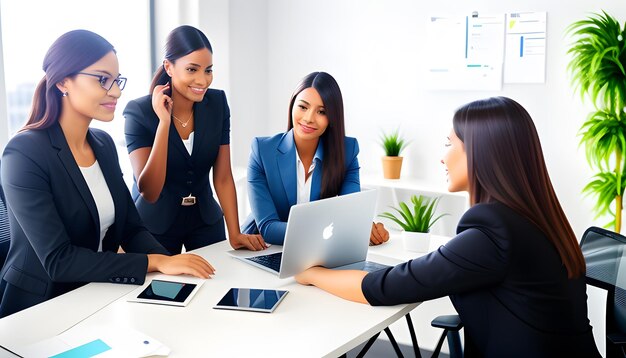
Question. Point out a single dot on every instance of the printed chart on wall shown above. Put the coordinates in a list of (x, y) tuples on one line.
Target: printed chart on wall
[(525, 56), (481, 51), (465, 52)]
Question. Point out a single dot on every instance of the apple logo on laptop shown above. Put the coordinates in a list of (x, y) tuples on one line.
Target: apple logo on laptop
[(328, 232)]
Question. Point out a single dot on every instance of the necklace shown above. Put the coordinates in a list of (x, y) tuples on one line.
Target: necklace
[(184, 124)]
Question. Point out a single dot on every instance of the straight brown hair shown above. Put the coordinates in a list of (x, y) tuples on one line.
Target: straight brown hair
[(505, 163), (68, 55), (333, 167)]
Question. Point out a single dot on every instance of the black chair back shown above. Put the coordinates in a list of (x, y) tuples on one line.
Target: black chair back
[(605, 256)]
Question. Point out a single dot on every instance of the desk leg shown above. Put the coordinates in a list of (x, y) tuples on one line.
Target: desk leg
[(367, 346), (416, 347)]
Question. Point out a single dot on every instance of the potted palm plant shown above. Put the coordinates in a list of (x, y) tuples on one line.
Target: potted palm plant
[(416, 223), (393, 144), (598, 69)]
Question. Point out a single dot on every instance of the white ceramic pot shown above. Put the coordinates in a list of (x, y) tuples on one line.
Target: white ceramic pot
[(416, 241)]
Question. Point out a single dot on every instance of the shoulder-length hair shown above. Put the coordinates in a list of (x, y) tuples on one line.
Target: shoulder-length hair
[(68, 55), (180, 42), (333, 167), (505, 164)]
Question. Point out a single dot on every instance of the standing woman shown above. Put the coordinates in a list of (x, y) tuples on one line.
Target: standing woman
[(175, 136), (312, 160), (69, 208), (514, 272)]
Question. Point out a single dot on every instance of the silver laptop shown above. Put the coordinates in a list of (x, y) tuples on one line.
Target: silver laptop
[(332, 232)]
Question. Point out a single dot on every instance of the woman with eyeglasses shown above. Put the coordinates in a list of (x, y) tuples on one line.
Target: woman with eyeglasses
[(69, 208), (514, 272), (175, 137)]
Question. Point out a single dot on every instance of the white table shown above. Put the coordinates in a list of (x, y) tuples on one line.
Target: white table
[(308, 323)]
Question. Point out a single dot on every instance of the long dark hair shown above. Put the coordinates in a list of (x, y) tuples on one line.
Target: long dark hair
[(68, 55), (333, 167), (505, 164), (180, 42)]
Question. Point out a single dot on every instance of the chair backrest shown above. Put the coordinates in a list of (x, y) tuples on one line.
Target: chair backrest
[(5, 234), (605, 256)]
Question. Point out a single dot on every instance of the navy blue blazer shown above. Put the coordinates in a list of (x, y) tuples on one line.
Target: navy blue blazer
[(55, 229), (185, 174), (506, 281), (272, 181)]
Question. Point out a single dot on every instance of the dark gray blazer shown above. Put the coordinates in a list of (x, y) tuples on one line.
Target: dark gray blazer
[(55, 229)]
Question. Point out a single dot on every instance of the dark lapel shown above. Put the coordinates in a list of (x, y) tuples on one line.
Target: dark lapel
[(201, 121), (57, 139), (316, 184), (175, 141), (286, 160)]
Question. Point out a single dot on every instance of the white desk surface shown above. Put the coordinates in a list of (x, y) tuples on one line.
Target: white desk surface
[(308, 323)]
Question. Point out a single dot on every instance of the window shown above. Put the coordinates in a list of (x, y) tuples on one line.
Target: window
[(29, 27)]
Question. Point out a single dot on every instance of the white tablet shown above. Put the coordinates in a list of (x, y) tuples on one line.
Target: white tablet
[(162, 292), (251, 299)]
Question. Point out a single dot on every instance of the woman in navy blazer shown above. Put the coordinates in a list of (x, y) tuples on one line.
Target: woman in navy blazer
[(69, 208), (313, 160), (175, 137), (514, 272)]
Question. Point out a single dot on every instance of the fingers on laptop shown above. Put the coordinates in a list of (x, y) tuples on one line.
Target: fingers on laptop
[(254, 242)]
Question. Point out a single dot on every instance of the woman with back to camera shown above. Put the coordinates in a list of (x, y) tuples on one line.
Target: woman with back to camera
[(69, 208), (313, 160), (514, 272), (175, 136)]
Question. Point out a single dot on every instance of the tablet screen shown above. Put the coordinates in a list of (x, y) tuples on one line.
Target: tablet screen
[(251, 299), (167, 291)]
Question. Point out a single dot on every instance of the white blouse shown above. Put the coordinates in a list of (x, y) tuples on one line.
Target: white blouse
[(102, 196), (304, 185), (189, 143)]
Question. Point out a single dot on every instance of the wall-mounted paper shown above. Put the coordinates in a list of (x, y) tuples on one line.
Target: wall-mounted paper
[(465, 52), (525, 52)]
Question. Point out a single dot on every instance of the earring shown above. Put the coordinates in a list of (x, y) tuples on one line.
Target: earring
[(65, 94)]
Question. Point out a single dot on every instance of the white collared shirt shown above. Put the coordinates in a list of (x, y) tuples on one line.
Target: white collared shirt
[(304, 185)]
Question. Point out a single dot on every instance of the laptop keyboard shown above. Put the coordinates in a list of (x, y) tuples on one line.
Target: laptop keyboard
[(272, 261)]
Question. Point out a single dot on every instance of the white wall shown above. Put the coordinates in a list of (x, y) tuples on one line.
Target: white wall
[(373, 49)]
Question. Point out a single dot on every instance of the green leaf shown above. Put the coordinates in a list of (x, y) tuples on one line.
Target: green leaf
[(418, 220)]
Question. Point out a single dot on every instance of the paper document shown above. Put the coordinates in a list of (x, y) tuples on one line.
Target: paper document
[(525, 58), (102, 341)]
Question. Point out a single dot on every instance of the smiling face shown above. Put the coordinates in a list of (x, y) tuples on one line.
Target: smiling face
[(308, 115), (191, 74), (85, 95), (455, 161)]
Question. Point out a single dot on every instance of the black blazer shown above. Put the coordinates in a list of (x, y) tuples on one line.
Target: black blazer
[(55, 229), (506, 281), (185, 174)]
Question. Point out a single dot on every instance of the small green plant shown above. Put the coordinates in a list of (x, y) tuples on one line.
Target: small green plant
[(418, 220), (392, 143)]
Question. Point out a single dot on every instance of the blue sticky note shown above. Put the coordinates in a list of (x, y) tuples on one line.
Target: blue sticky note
[(86, 350)]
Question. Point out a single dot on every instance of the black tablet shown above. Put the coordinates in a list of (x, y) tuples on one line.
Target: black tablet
[(166, 293), (251, 299)]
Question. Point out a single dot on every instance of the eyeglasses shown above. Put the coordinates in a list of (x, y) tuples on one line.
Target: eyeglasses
[(107, 82)]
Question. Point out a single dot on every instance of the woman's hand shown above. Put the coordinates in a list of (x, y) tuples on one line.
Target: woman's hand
[(189, 264), (162, 103), (306, 277), (378, 234), (250, 242)]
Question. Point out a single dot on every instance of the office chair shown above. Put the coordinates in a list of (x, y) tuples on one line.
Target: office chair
[(604, 255), (4, 229)]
